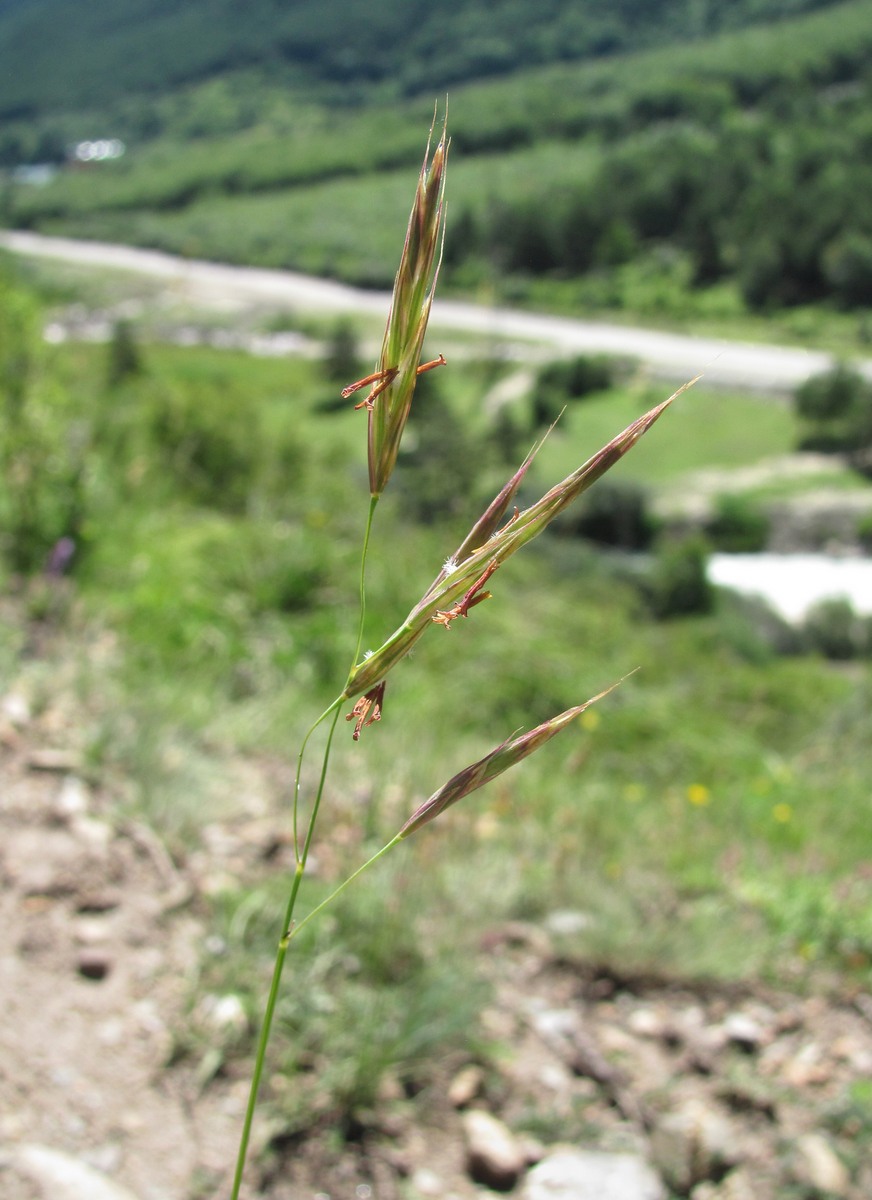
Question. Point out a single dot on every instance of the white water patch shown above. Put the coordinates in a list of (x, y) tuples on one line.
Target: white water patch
[(794, 583)]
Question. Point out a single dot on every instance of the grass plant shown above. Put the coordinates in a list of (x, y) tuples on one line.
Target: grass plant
[(460, 586), (715, 824)]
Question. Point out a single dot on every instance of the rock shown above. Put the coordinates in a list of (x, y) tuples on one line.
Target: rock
[(854, 1052), (16, 709), (54, 760), (592, 1175), (465, 1086), (746, 1033), (738, 1185), (61, 1177), (566, 922), (90, 931), (224, 1013), (494, 1157), (691, 1145), (816, 1164), (74, 798), (93, 962), (645, 1022), (808, 1067), (427, 1183)]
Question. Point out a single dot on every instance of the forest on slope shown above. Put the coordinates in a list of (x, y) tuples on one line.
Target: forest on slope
[(719, 172), (71, 53)]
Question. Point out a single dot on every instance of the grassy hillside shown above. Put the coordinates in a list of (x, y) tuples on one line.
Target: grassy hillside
[(217, 503)]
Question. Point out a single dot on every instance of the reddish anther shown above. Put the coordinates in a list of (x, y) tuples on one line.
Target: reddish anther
[(474, 596), (367, 710), (379, 381), (428, 366)]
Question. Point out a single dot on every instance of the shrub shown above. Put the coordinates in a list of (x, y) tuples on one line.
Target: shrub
[(571, 379), (864, 532), (833, 629), (837, 408), (679, 584), (342, 362), (442, 462), (847, 263), (123, 357), (614, 514), (738, 526), (209, 442), (44, 441), (830, 395), (754, 630)]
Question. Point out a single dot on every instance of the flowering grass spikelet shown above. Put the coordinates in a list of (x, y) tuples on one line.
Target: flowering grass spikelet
[(506, 755), (476, 556), (393, 382)]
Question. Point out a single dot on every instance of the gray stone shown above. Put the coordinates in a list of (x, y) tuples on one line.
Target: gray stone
[(62, 1177), (494, 1157), (592, 1175), (815, 1162), (738, 1185), (745, 1032), (567, 922), (465, 1086), (693, 1144)]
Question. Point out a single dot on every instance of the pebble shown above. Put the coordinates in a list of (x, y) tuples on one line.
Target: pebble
[(816, 1164), (465, 1086), (851, 1050), (569, 1174), (808, 1067), (62, 1177), (494, 1157), (693, 1144), (567, 922), (16, 708), (224, 1012), (73, 799), (427, 1183), (738, 1185), (746, 1033), (647, 1023), (90, 931), (94, 962)]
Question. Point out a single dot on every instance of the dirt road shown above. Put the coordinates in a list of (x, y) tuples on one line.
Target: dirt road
[(670, 356)]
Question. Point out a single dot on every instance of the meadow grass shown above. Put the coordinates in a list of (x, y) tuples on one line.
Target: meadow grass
[(717, 428), (709, 817)]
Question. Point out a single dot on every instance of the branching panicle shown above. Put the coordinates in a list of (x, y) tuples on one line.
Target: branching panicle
[(460, 584)]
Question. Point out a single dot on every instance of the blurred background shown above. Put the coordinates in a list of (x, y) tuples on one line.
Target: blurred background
[(653, 939)]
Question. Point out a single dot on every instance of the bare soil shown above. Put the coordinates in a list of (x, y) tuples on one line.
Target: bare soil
[(101, 934)]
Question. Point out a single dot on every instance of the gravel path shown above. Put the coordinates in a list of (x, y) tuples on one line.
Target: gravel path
[(668, 355)]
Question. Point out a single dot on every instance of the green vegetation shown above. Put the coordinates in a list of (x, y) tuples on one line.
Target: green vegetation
[(700, 183), (66, 54), (216, 516), (836, 411)]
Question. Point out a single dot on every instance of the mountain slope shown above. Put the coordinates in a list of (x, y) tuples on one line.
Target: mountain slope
[(76, 54)]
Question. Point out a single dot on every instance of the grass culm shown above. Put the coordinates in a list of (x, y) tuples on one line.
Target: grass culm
[(461, 584)]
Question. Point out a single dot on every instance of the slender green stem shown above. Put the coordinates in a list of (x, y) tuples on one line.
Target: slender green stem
[(301, 856), (339, 890), (272, 999), (373, 501), (263, 1040), (334, 709)]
